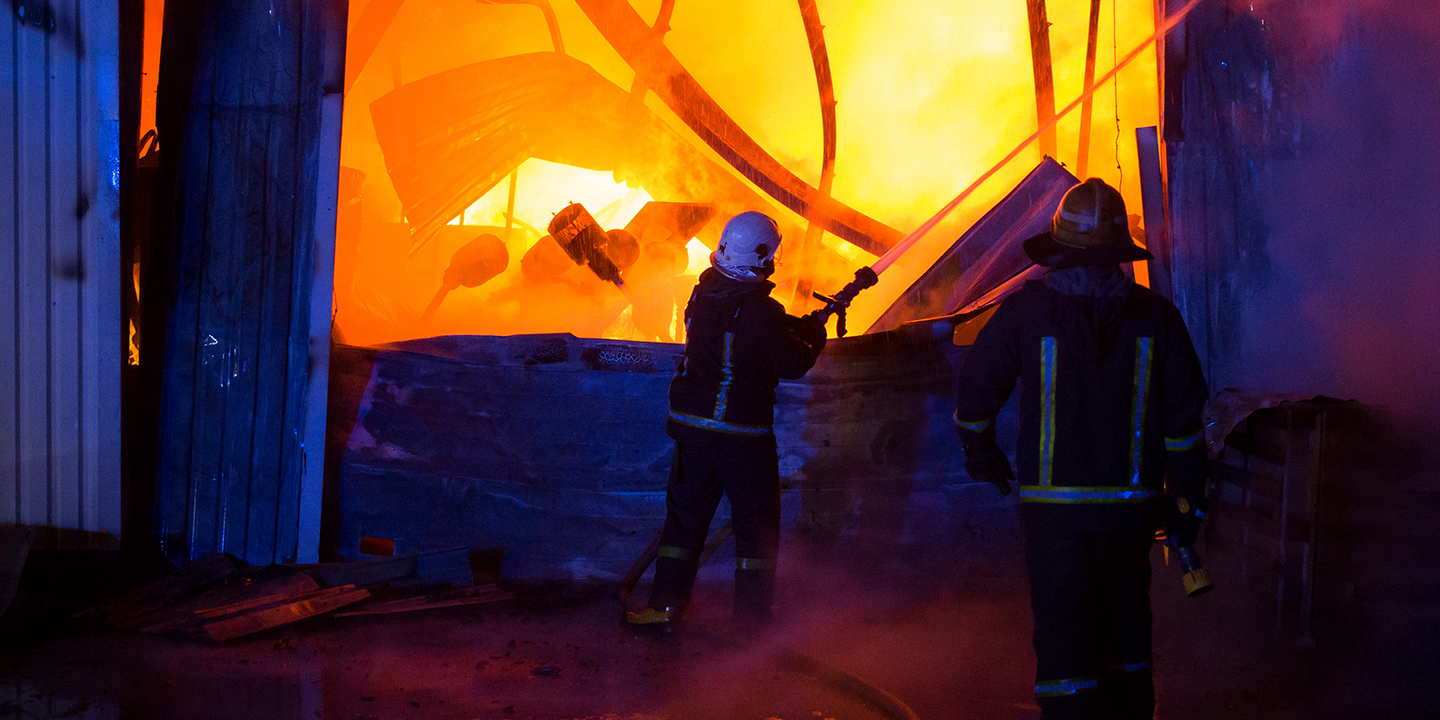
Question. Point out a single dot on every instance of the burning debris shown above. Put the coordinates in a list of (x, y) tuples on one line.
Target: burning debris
[(587, 244)]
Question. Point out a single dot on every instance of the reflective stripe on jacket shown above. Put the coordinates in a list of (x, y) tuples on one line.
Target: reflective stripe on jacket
[(739, 344), (1111, 394)]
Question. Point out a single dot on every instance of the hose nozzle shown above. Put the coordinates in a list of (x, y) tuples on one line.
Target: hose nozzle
[(1196, 580)]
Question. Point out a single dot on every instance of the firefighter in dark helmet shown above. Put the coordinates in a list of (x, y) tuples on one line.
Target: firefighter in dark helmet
[(739, 344), (1110, 399)]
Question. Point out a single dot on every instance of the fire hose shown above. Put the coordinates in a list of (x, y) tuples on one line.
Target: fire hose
[(839, 680), (796, 661)]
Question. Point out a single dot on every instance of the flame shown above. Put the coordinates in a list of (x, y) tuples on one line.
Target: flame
[(930, 96)]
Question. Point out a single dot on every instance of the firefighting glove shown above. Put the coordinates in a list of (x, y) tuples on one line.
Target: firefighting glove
[(811, 331), (1182, 525), (986, 462)]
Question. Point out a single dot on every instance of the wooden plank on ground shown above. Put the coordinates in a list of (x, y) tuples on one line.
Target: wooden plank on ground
[(280, 590), (450, 598), (226, 602), (254, 622), (247, 585)]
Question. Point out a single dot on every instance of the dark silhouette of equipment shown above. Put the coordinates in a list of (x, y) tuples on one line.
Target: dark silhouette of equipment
[(583, 240), (473, 265), (622, 247), (838, 303), (545, 261)]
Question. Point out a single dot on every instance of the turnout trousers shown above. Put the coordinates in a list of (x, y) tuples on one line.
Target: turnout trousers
[(1090, 593), (699, 474)]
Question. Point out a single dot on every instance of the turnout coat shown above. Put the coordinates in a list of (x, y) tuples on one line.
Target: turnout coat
[(1111, 394), (739, 344)]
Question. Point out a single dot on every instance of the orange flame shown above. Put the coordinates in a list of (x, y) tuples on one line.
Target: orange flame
[(930, 95)]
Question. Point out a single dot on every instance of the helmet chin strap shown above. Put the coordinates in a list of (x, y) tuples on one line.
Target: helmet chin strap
[(742, 274)]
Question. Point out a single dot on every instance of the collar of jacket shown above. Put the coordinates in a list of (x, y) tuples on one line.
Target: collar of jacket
[(713, 283), (1094, 281)]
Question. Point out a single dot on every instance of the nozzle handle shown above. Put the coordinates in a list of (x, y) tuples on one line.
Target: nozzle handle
[(837, 304)]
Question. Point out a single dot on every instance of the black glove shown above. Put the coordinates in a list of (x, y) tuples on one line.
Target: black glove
[(1182, 525), (986, 462), (811, 331)]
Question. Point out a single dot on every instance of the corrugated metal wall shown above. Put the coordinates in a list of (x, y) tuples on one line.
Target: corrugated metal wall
[(61, 346), (247, 331)]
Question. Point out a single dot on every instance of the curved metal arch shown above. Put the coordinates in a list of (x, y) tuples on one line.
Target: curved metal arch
[(623, 28)]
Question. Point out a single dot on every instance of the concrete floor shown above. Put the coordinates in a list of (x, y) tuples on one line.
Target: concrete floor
[(949, 648)]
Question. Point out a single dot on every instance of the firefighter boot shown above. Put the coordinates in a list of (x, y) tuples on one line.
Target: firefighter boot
[(674, 579), (754, 591), (658, 620)]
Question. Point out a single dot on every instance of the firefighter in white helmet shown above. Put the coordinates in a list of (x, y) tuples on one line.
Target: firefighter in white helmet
[(1110, 399), (739, 344)]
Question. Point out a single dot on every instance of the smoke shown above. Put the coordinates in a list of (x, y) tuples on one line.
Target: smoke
[(1354, 303)]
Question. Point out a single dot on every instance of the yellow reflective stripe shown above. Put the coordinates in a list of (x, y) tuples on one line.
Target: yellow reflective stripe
[(1137, 408), (1047, 408), (722, 398), (675, 553), (1076, 495), (980, 426), (754, 563), (1189, 442)]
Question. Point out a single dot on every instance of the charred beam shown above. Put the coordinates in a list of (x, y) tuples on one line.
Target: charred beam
[(1044, 75), (820, 57), (1082, 161), (623, 28)]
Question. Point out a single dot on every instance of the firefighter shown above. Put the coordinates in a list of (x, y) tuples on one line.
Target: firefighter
[(1110, 399), (739, 344)]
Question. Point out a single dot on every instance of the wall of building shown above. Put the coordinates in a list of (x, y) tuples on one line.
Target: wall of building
[(1304, 195), (255, 146), (61, 344)]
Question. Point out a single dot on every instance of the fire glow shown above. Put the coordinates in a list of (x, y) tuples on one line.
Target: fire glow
[(930, 95)]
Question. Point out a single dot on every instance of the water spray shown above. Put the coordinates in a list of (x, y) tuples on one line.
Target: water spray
[(909, 241), (868, 276)]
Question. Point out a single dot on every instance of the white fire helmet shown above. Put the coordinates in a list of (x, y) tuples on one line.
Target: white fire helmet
[(747, 247)]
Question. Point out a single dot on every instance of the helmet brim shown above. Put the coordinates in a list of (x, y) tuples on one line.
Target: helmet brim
[(1046, 251)]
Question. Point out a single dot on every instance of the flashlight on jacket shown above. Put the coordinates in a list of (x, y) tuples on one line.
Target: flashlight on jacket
[(1195, 580)]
